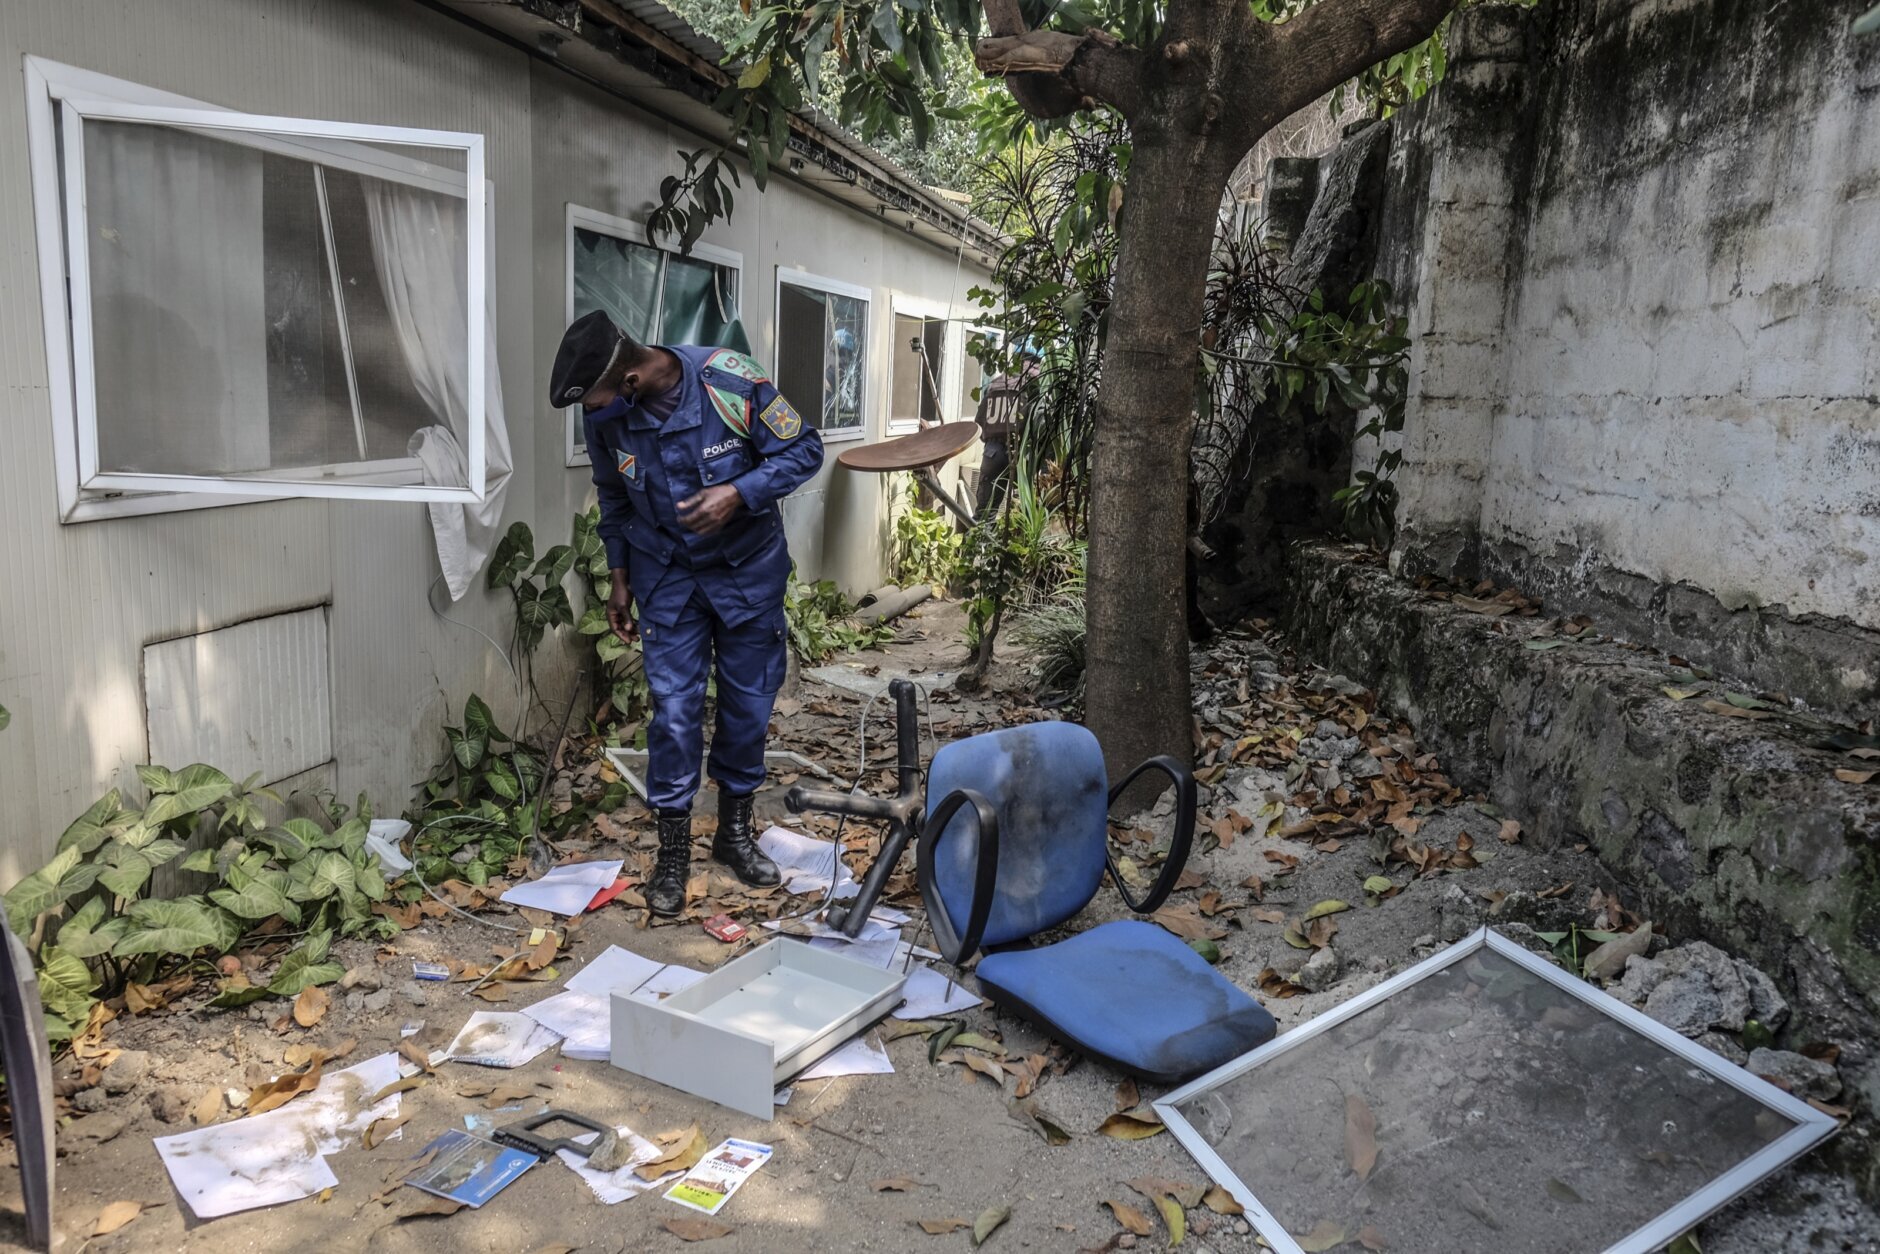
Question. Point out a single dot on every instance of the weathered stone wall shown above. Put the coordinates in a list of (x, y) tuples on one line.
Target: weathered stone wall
[(1639, 242)]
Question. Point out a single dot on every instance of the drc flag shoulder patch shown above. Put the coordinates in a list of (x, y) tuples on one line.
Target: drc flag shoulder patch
[(783, 421), (734, 363), (628, 466), (733, 409)]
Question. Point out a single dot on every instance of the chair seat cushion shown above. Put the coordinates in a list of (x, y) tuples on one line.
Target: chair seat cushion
[(1132, 995)]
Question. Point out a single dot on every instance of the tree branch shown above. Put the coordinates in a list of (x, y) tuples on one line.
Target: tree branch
[(1333, 40), (1053, 73)]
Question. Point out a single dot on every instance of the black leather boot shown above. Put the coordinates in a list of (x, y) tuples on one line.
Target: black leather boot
[(665, 893), (736, 847)]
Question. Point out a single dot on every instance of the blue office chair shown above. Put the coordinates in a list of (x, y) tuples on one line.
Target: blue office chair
[(1016, 844)]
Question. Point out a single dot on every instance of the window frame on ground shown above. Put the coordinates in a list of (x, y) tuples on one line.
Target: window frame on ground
[(580, 217), (812, 410), (60, 99), (947, 378)]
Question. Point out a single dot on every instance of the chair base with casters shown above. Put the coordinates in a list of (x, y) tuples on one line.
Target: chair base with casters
[(1017, 844)]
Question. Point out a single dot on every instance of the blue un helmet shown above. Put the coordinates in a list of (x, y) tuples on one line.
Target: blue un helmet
[(843, 339)]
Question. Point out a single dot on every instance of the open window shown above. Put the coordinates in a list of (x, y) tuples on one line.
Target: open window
[(973, 374), (919, 365), (256, 306), (822, 351), (654, 295)]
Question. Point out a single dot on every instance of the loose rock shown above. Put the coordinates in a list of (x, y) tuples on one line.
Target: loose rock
[(91, 1100), (1798, 1073), (127, 1072), (1320, 971), (171, 1104)]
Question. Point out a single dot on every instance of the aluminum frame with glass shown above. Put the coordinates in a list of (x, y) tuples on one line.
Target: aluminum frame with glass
[(60, 99), (808, 282), (1810, 1128)]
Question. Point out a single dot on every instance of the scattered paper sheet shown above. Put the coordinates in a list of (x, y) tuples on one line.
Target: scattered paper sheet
[(565, 889), (469, 1169), (806, 863), (719, 1174), (886, 952), (929, 993), (865, 1055), (494, 1038), (613, 970), (582, 1020), (617, 1186), (277, 1157), (816, 929)]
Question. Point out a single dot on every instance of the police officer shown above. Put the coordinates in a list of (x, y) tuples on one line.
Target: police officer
[(692, 449)]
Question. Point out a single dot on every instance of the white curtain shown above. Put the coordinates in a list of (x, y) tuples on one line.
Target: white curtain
[(418, 250)]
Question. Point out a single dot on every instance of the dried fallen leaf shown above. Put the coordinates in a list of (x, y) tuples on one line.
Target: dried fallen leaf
[(1153, 1187), (1273, 984), (1221, 1202), (978, 1063), (1360, 1136), (1127, 1095), (208, 1108), (1558, 890), (1371, 1239), (940, 1227), (310, 1007), (895, 1029), (689, 1228), (972, 1040), (416, 1054), (1320, 931), (1328, 1234), (1132, 1125), (1735, 711), (1129, 1216), (398, 1086), (1286, 860), (1270, 916), (683, 1151), (1854, 777), (1324, 908), (283, 1089), (115, 1216), (381, 1129), (988, 1222), (429, 1204), (1561, 1191), (1027, 1113), (895, 1184), (1510, 832), (1186, 922)]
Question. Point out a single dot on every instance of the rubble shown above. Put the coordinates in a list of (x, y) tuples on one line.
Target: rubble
[(1798, 1073)]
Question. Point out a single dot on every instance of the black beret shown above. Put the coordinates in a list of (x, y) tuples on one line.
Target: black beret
[(588, 347)]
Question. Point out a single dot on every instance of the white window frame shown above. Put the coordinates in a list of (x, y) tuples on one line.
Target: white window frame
[(633, 233), (834, 287), (952, 348), (58, 98), (969, 407)]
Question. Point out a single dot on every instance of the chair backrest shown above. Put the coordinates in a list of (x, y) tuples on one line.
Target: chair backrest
[(1047, 783)]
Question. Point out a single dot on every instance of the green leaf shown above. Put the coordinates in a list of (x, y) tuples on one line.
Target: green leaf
[(127, 867), (202, 860), (468, 750), (88, 831), (173, 926), (157, 778), (197, 787), (348, 838), (6, 717), (294, 839), (502, 781), (513, 554), (65, 983), (259, 896), (326, 873), (236, 998), (298, 971), (480, 720), (47, 888), (88, 934), (371, 880)]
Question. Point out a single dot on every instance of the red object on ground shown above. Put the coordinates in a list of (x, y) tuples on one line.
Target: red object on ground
[(612, 891), (724, 928)]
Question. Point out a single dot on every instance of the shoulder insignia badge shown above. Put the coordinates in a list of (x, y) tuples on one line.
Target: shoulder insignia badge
[(732, 408), (628, 466), (784, 422), (738, 364)]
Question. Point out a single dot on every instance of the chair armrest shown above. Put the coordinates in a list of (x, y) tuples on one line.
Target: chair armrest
[(1179, 843), (955, 946)]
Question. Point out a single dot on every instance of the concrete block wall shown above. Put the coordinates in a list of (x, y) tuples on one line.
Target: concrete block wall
[(1638, 241)]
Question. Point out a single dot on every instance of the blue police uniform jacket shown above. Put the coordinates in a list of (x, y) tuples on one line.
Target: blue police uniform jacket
[(730, 426)]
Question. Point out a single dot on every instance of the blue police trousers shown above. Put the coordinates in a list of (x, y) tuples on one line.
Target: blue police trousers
[(751, 658)]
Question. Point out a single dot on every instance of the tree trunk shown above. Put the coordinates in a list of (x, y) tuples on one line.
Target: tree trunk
[(1136, 677)]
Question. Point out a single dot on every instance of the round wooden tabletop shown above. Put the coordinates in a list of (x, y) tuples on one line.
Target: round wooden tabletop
[(916, 451)]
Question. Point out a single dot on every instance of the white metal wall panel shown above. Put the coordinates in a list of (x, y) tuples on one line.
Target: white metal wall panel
[(256, 696)]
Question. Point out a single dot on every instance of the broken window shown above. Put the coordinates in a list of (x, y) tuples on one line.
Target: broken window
[(654, 295), (263, 306), (822, 350), (1486, 1100)]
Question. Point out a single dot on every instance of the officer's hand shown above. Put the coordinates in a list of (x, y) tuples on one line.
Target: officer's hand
[(710, 510), (620, 612)]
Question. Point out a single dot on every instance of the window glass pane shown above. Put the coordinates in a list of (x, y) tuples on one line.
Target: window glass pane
[(258, 311), (1489, 1109), (822, 348), (618, 277), (919, 358)]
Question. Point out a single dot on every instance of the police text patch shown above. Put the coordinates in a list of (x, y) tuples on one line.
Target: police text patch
[(784, 422)]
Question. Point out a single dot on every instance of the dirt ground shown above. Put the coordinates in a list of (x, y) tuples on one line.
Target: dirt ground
[(944, 1132)]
